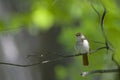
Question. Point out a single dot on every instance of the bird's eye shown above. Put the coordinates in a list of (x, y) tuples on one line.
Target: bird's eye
[(78, 34)]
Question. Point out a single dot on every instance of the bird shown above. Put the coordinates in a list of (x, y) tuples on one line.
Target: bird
[(82, 47)]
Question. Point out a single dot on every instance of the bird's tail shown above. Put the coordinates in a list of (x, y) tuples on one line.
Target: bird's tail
[(85, 60)]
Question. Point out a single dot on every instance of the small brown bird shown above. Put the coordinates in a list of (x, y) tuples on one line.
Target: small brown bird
[(82, 47)]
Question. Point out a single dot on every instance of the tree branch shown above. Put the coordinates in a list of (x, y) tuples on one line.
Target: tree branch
[(99, 71), (69, 56), (20, 65), (108, 44), (47, 61)]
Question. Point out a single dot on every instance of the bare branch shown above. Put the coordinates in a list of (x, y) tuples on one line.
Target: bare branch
[(109, 46), (102, 23), (107, 42), (19, 65), (47, 61), (70, 56), (95, 10), (96, 41), (99, 71), (100, 48)]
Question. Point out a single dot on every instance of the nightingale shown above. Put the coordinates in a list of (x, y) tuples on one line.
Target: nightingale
[(82, 47)]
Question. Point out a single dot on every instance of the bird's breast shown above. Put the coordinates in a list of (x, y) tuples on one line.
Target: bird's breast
[(82, 47)]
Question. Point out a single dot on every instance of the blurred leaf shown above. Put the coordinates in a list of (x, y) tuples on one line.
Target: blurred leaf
[(43, 18), (61, 72), (2, 25)]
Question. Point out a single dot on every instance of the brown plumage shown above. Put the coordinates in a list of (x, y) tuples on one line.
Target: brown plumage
[(85, 60)]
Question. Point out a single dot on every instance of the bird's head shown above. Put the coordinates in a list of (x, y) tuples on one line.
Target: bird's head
[(79, 36)]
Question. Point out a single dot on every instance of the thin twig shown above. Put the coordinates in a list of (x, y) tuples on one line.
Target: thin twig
[(95, 10), (100, 48), (96, 41), (107, 42), (109, 46), (47, 61), (99, 71), (20, 65), (102, 24), (74, 55)]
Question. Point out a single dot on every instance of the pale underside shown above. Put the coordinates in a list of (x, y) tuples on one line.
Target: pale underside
[(82, 47)]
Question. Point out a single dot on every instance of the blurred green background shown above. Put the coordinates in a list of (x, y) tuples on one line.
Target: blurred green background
[(53, 25)]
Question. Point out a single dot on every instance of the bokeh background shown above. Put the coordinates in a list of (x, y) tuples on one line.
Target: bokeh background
[(46, 29)]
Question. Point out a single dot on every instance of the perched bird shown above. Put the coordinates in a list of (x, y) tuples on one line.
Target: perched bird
[(82, 47)]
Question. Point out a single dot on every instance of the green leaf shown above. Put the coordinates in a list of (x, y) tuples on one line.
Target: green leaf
[(43, 18)]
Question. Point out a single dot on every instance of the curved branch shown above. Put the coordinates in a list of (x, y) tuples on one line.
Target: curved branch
[(109, 46), (95, 10), (107, 42)]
